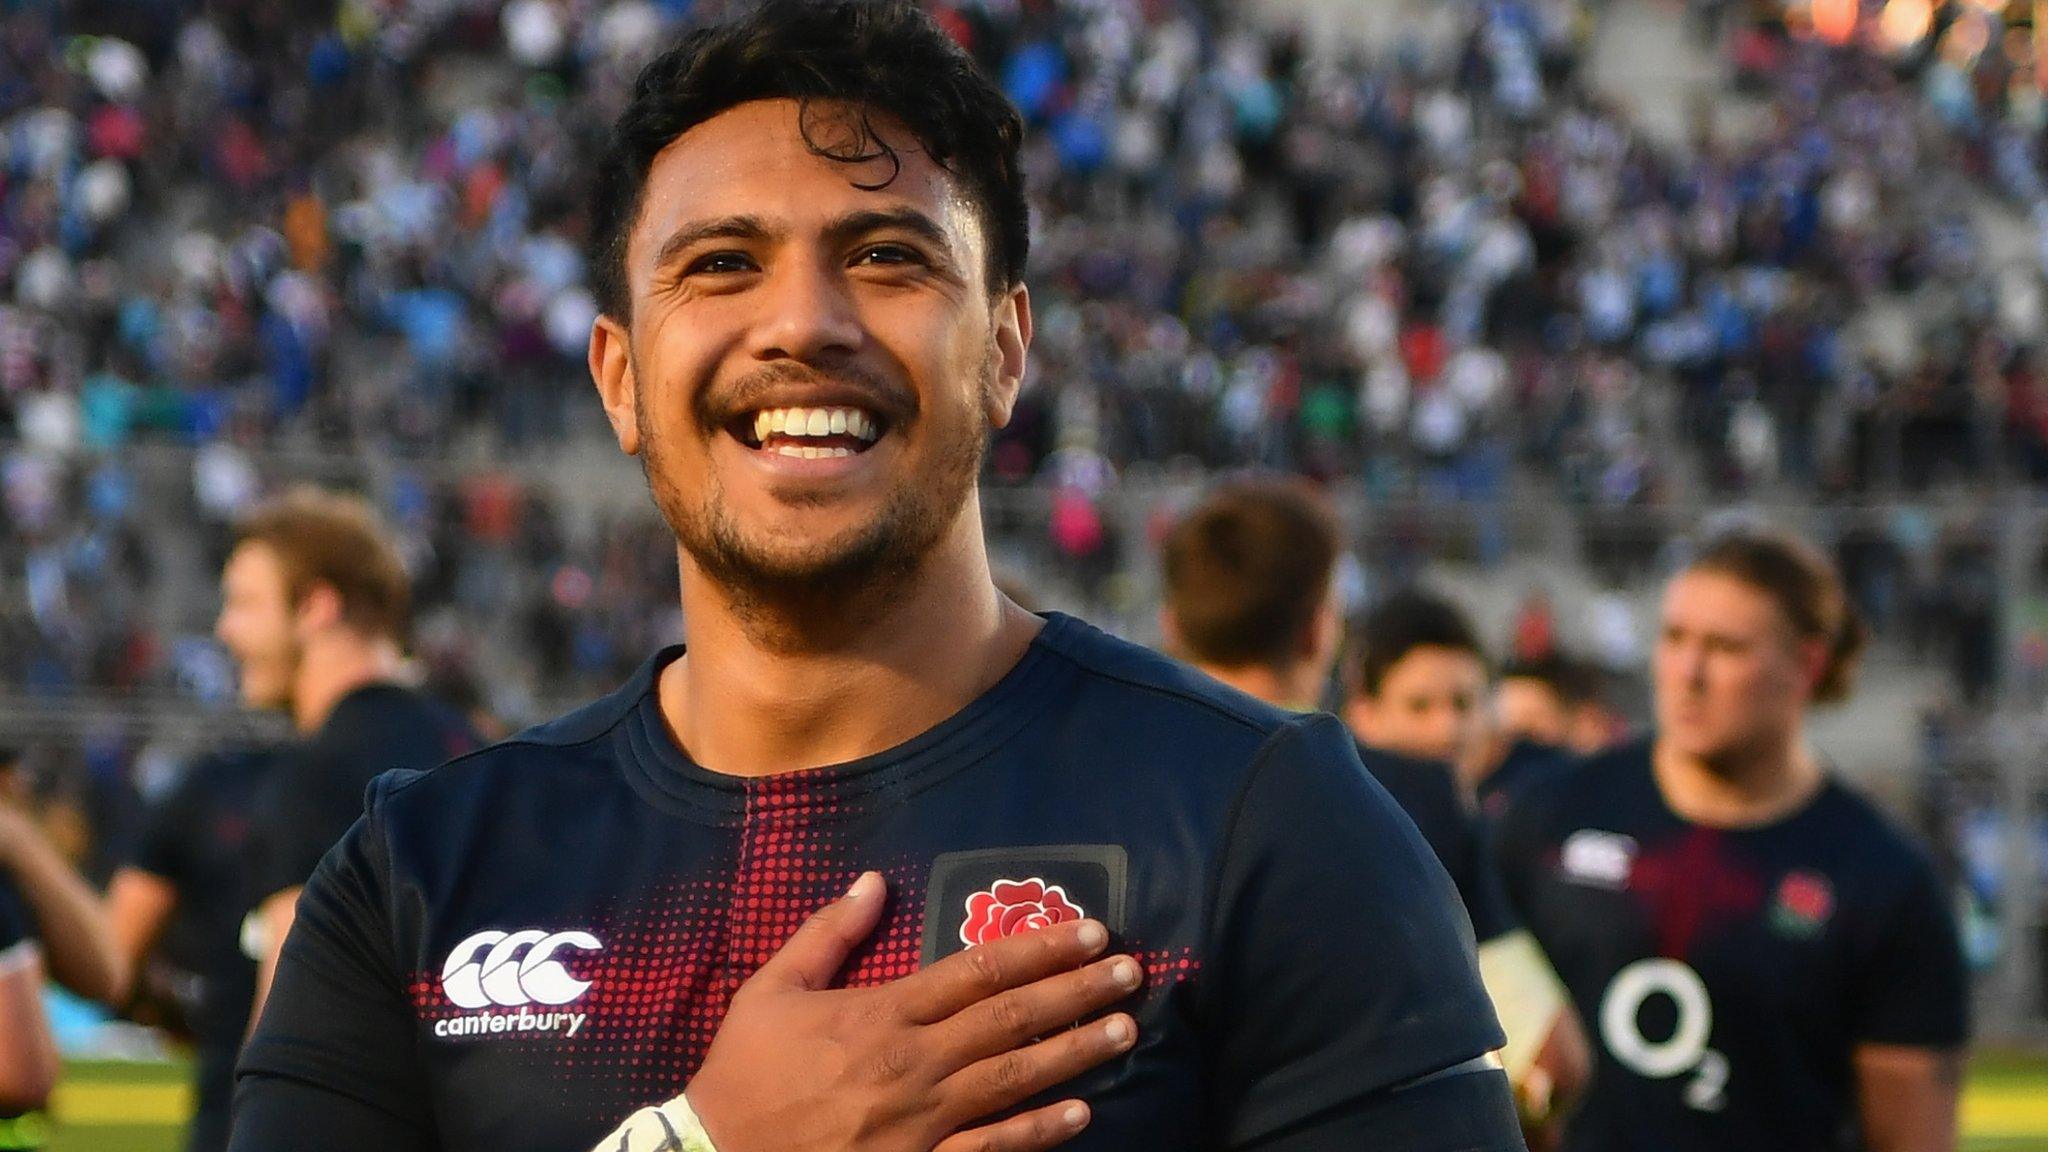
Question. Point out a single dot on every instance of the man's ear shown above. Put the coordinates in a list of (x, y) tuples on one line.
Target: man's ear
[(611, 368), (1359, 717), (1813, 660), (318, 610), (1013, 354)]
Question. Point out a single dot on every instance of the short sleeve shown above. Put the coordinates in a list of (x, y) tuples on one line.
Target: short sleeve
[(332, 1064), (162, 843), (1911, 987), (1342, 973)]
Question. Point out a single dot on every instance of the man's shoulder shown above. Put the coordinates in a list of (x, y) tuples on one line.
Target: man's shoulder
[(1882, 852), (1168, 731), (392, 726), (549, 752), (1135, 676), (223, 775)]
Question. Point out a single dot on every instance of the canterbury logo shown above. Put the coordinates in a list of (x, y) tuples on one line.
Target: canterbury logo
[(514, 969)]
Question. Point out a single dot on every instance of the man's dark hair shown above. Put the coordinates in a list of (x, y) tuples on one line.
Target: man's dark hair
[(1572, 680), (877, 57), (1247, 569), (1399, 625)]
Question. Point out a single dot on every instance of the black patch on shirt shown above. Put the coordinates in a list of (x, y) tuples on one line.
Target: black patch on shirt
[(1090, 876)]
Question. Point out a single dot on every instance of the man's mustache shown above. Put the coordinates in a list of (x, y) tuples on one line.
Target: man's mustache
[(770, 386)]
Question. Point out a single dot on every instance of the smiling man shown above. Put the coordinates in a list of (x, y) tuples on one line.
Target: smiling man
[(876, 859)]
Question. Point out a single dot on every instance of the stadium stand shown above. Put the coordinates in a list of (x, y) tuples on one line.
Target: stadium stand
[(1507, 327)]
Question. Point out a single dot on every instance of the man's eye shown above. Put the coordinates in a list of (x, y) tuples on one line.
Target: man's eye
[(718, 263), (887, 254)]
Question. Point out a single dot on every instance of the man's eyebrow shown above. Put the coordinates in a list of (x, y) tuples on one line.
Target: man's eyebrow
[(910, 220), (716, 228), (842, 230)]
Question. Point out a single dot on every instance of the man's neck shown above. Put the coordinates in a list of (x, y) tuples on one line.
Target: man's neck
[(1286, 688), (757, 695), (334, 666), (1759, 787)]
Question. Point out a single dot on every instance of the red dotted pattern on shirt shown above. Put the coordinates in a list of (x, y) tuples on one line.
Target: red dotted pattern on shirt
[(661, 984), (1166, 967)]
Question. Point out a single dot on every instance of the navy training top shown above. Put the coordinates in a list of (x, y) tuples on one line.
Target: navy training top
[(518, 949), (1727, 975)]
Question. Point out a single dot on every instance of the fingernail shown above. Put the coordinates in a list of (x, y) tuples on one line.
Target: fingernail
[(1125, 973), (866, 887), (1118, 1031), (1074, 1116), (1093, 936)]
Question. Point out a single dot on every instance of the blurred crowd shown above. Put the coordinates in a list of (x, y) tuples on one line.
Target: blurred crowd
[(498, 581), (357, 226), (247, 232)]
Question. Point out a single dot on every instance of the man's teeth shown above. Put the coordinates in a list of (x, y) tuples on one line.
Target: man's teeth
[(808, 453), (815, 422)]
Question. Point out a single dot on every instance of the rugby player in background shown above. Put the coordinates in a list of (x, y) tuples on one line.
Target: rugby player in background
[(28, 1050), (315, 607), (1419, 683), (1251, 600), (61, 910), (1545, 712), (189, 862), (1558, 701), (1767, 962), (849, 864), (49, 922)]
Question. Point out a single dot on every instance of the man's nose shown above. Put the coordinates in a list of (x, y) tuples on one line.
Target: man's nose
[(1444, 724), (810, 314)]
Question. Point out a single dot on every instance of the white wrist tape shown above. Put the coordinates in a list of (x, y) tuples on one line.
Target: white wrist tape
[(18, 957), (670, 1127), (1526, 993)]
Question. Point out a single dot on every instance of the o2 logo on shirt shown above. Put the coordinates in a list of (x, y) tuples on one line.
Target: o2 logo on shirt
[(1685, 1051)]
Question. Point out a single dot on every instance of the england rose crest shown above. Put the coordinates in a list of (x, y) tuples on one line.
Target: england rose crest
[(1012, 906), (1805, 902)]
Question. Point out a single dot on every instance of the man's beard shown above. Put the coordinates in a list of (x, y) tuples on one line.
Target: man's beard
[(284, 666), (847, 576)]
